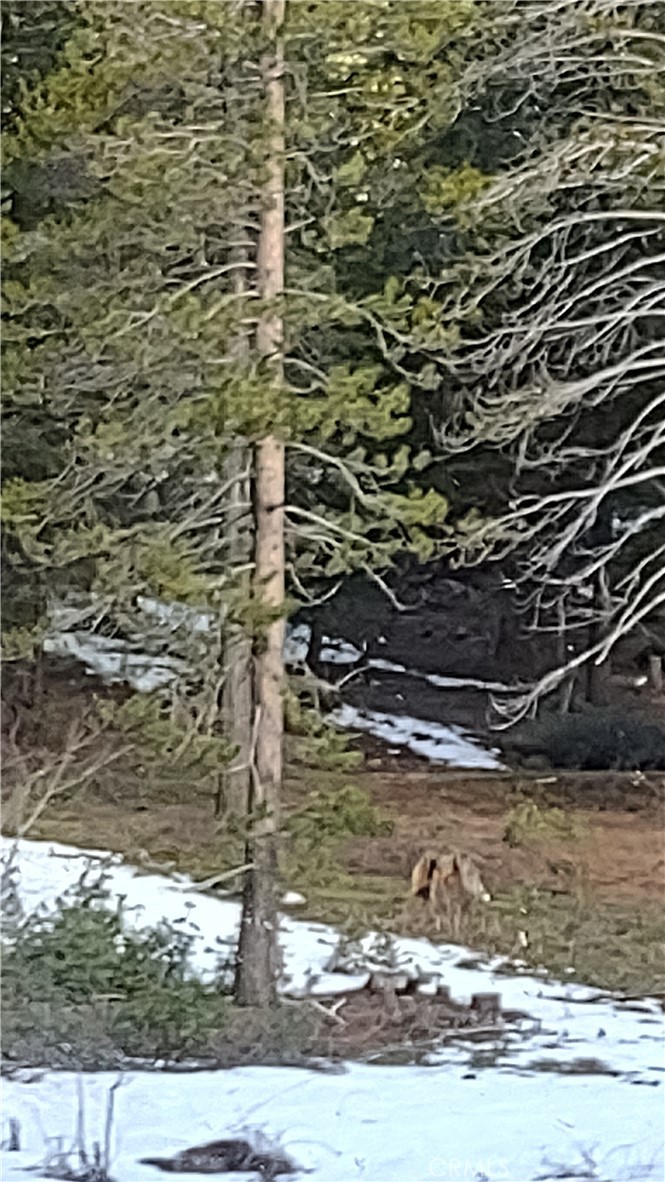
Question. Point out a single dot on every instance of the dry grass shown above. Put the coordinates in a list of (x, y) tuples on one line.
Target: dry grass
[(591, 893), (611, 943)]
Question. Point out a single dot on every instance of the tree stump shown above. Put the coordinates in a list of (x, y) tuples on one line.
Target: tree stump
[(487, 1006)]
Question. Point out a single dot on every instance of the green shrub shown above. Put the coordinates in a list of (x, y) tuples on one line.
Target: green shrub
[(84, 950), (79, 973), (316, 833), (334, 814), (164, 1022), (318, 744), (528, 821)]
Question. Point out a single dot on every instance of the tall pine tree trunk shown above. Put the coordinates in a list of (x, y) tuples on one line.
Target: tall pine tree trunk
[(257, 967), (233, 794)]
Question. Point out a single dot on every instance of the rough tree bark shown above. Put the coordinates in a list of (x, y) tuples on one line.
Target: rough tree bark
[(233, 793), (234, 781), (257, 967)]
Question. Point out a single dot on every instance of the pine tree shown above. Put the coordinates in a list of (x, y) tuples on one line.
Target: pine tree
[(257, 967), (157, 142)]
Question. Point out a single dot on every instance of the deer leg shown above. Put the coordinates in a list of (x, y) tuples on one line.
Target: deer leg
[(433, 909)]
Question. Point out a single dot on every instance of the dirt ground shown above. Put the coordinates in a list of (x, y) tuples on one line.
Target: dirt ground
[(588, 891), (590, 900), (620, 816)]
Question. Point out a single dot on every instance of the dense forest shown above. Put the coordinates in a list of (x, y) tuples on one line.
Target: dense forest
[(309, 295)]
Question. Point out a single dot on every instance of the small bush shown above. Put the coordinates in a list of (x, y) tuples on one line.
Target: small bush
[(529, 822), (334, 814), (287, 1034), (78, 977), (594, 741), (318, 829), (318, 745), (164, 1022), (84, 950)]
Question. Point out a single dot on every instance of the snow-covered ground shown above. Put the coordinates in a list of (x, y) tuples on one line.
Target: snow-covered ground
[(449, 745), (373, 1124), (116, 660), (453, 1119), (441, 744)]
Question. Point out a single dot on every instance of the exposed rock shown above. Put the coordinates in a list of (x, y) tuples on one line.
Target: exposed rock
[(223, 1157)]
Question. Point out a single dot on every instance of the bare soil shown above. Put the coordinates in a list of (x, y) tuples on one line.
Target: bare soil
[(620, 817), (590, 901)]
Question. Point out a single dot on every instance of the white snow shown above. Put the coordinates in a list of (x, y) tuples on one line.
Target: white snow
[(377, 1124), (335, 652), (293, 899), (114, 660), (296, 643), (453, 1119), (447, 681), (339, 652), (177, 615), (440, 744)]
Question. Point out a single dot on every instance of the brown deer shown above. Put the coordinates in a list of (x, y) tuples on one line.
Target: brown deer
[(449, 884)]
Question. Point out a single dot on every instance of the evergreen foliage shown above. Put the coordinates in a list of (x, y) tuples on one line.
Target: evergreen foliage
[(133, 175), (78, 975), (471, 313)]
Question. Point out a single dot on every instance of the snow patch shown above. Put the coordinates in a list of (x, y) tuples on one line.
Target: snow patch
[(571, 1015), (453, 1119), (339, 652), (445, 682), (296, 644), (441, 744), (114, 660), (176, 615), (293, 899), (376, 1124)]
